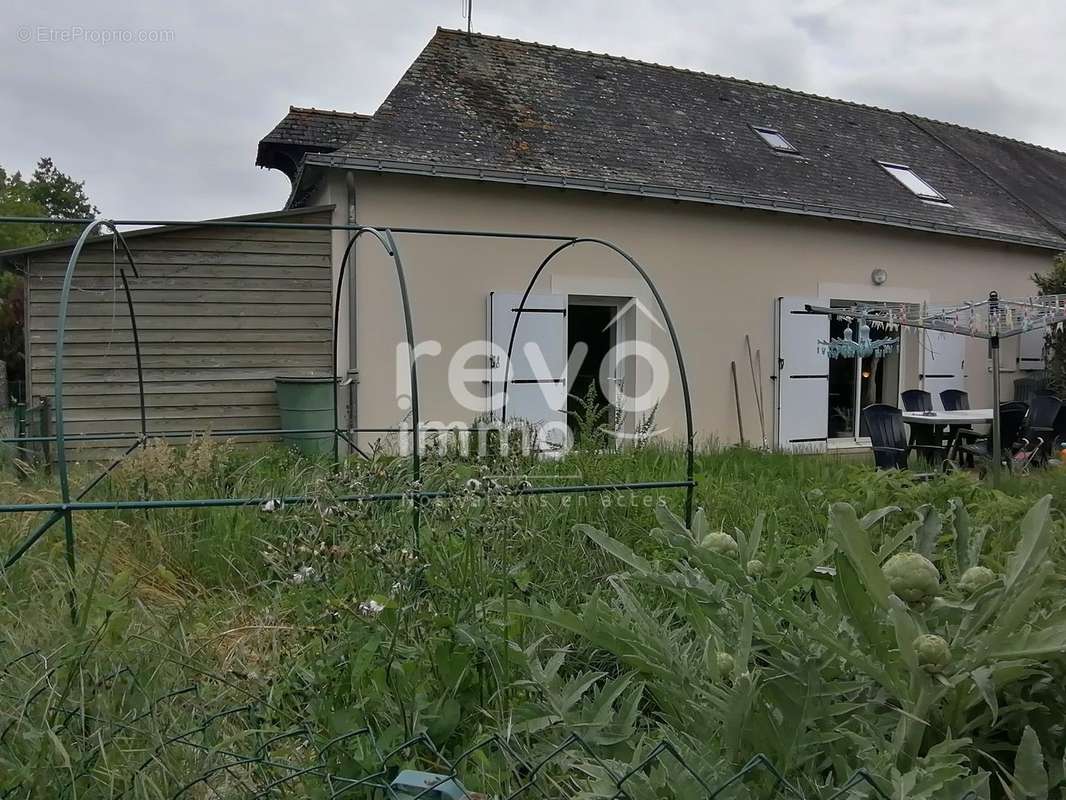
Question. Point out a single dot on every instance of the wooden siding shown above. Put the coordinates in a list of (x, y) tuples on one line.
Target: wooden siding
[(220, 313)]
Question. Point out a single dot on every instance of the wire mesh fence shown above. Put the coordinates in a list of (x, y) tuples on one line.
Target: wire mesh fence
[(213, 738)]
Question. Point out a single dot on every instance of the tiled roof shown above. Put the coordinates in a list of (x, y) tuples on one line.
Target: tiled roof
[(159, 228), (1035, 175), (306, 130), (498, 109)]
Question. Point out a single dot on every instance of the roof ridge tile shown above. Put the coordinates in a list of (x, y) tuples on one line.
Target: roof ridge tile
[(1000, 136), (673, 68), (743, 82), (330, 111)]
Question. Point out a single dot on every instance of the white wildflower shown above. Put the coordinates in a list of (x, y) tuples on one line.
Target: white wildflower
[(303, 575), (370, 608)]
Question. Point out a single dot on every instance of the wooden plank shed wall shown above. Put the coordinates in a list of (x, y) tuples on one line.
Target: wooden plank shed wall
[(220, 313)]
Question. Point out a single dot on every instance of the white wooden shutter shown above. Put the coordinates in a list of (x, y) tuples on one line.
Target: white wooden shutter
[(943, 364), (537, 389), (802, 376), (1031, 349)]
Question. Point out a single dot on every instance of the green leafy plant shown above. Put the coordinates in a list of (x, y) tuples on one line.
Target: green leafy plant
[(1054, 282), (592, 421), (823, 676), (504, 621)]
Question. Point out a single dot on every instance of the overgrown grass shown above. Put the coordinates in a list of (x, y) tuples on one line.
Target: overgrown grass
[(331, 617)]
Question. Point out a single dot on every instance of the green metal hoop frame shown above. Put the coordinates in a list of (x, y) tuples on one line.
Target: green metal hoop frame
[(69, 504), (682, 374)]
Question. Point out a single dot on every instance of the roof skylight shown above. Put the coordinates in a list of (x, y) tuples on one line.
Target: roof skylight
[(910, 179), (775, 139)]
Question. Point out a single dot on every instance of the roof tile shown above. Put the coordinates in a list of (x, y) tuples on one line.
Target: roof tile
[(519, 109)]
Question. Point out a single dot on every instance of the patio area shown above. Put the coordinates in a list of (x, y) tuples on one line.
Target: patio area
[(943, 431)]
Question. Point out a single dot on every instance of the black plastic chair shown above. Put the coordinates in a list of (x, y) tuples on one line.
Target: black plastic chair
[(924, 436), (917, 400), (1043, 410), (1012, 419), (889, 438), (955, 400), (1025, 389), (1040, 428)]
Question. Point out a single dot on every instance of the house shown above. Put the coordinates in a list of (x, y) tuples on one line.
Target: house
[(743, 202)]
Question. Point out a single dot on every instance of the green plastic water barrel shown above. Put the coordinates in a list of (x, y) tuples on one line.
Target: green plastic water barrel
[(307, 403)]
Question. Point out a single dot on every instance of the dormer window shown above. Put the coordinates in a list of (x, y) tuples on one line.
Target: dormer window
[(778, 143), (910, 179)]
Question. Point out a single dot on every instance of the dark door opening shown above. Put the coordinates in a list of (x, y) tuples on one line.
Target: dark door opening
[(855, 383), (591, 324)]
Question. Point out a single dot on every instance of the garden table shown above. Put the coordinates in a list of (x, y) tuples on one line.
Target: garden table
[(954, 421)]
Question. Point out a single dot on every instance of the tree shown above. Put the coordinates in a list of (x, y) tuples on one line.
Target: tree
[(12, 324), (1054, 282), (48, 193)]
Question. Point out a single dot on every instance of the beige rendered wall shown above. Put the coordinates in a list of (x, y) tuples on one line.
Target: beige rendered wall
[(718, 269)]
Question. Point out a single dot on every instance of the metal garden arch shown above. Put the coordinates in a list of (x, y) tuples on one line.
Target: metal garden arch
[(689, 432), (68, 504)]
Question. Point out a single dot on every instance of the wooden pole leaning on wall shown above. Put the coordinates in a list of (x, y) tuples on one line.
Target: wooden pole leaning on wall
[(736, 396)]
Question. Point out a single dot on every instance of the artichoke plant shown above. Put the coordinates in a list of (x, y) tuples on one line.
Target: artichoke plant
[(721, 542), (912, 577), (755, 568), (975, 578), (934, 653), (883, 665)]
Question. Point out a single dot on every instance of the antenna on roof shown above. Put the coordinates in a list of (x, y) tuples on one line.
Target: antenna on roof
[(468, 13)]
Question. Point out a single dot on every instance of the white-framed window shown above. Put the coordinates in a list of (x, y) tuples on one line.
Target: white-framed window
[(855, 383), (775, 139), (909, 178)]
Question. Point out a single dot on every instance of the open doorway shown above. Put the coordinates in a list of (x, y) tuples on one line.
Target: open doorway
[(855, 383), (591, 324)]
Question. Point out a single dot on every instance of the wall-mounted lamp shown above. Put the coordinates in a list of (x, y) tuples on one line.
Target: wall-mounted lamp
[(879, 276)]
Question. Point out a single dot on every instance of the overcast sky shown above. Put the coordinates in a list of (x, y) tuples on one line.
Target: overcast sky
[(168, 127)]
